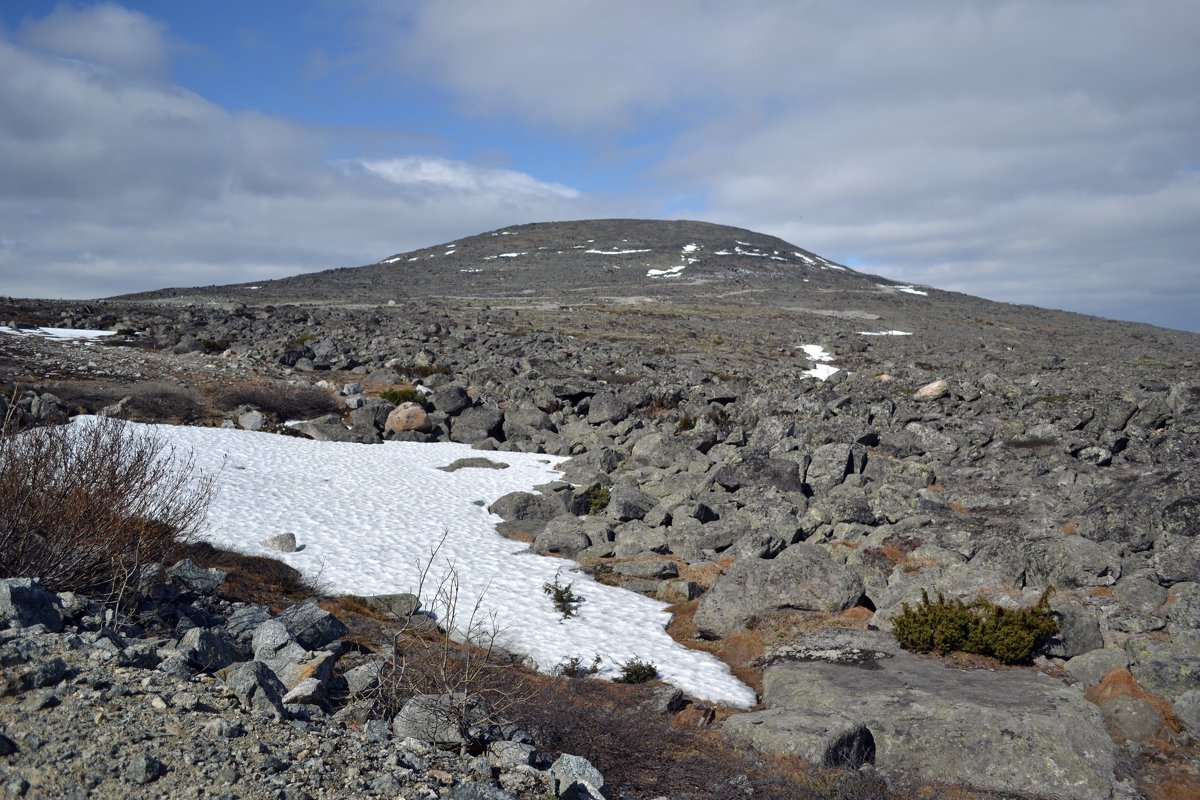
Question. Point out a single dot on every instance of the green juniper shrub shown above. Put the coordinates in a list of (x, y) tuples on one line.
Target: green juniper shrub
[(574, 667), (398, 395), (566, 602), (636, 671), (980, 627), (597, 499)]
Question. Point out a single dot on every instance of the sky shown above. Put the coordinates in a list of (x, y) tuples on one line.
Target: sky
[(1043, 152)]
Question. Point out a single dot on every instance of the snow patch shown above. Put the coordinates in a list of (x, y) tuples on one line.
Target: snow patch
[(615, 252), (885, 333), (672, 272), (511, 255), (907, 289), (821, 371), (57, 333), (368, 515)]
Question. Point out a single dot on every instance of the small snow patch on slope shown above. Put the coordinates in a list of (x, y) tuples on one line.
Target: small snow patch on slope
[(614, 252), (821, 371), (885, 333), (907, 288)]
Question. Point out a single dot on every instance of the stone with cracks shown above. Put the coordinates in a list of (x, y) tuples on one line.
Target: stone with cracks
[(801, 577), (1003, 731)]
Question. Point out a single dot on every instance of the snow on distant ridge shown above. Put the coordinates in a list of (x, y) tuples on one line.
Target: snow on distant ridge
[(57, 333), (368, 515), (614, 252)]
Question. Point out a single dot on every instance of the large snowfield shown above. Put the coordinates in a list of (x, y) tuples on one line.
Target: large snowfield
[(368, 516)]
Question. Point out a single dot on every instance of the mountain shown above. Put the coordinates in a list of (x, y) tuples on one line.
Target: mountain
[(606, 258)]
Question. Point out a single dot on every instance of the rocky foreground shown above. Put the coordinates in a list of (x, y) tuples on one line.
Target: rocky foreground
[(992, 453)]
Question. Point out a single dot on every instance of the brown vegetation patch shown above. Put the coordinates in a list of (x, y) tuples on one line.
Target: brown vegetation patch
[(252, 579), (283, 401), (1121, 683)]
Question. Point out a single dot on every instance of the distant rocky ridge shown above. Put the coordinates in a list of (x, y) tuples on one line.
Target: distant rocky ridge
[(994, 451)]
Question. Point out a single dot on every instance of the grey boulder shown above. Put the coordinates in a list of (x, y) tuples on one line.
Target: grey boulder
[(801, 577)]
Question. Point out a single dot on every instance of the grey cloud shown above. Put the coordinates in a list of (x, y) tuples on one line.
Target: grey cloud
[(106, 35)]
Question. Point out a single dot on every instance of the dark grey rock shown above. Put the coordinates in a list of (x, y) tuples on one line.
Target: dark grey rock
[(256, 688), (451, 399), (144, 769), (477, 424), (1072, 562), (575, 778), (627, 503), (562, 536), (207, 650), (830, 465), (473, 790), (606, 407), (312, 626), (1177, 562), (25, 602), (186, 575)]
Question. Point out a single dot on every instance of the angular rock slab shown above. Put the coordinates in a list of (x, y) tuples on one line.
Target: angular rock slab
[(803, 576), (1007, 731)]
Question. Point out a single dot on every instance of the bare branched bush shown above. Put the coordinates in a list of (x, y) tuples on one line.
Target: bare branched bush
[(285, 402), (87, 507), (468, 685)]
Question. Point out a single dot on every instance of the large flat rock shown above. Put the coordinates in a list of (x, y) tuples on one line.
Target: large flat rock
[(1005, 730)]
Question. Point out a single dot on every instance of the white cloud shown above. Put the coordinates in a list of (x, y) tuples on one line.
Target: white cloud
[(433, 173), (105, 35)]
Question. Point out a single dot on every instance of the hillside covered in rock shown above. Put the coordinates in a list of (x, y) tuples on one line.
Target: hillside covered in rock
[(786, 450)]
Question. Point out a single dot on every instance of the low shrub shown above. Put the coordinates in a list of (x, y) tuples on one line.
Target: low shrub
[(88, 507), (566, 602), (398, 395), (597, 499), (574, 667), (980, 627), (284, 402), (636, 671)]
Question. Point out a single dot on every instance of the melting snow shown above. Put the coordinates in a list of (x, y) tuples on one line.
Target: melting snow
[(57, 333), (368, 516), (816, 352), (820, 371), (394, 259), (615, 252), (805, 259), (691, 248), (907, 289), (511, 255), (885, 333), (724, 253), (470, 270), (672, 272)]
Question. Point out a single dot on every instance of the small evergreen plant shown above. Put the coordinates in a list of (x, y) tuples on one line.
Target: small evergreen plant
[(636, 671), (566, 602), (980, 627)]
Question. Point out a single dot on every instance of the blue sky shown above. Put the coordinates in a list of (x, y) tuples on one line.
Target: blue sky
[(1030, 152)]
